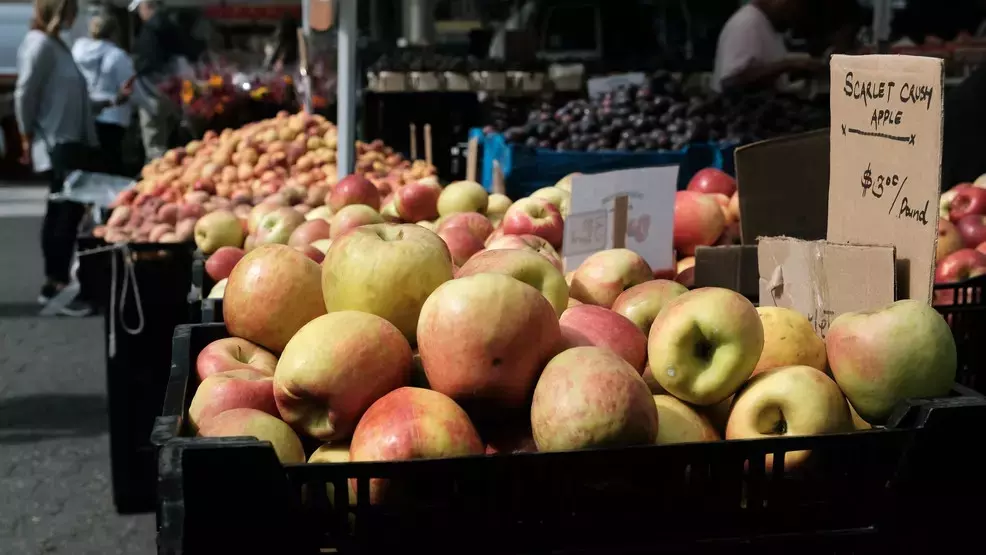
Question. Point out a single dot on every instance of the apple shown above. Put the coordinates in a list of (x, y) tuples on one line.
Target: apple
[(234, 389), (531, 243), (233, 353), (789, 401), (254, 423), (333, 453), (462, 196), (560, 198), (595, 326), (389, 212), (680, 423), (221, 263), (734, 208), (981, 248), (462, 244), (385, 269), (968, 201), (416, 202), (218, 229), (158, 231), (698, 221), (411, 423), (272, 292), (322, 245), (535, 216), (972, 229), (430, 226), (712, 180), (961, 265), (949, 240), (512, 440), (353, 216), (497, 205), (565, 183), (590, 397), (946, 199), (882, 357), (705, 344), (685, 272), (320, 213), (788, 340), (334, 368), (642, 303), (277, 226), (526, 266), (604, 275), (218, 290), (477, 224), (311, 252), (258, 213), (309, 232), (723, 202), (484, 338)]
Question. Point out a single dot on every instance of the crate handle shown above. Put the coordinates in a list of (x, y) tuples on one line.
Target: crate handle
[(129, 276)]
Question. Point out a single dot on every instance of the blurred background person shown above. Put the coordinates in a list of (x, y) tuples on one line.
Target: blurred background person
[(752, 53), (108, 71), (160, 49), (55, 119)]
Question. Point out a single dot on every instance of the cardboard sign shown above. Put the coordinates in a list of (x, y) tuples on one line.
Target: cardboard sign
[(732, 267), (631, 209), (886, 140), (784, 187), (823, 280)]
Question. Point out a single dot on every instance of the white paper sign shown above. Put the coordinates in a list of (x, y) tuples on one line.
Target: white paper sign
[(650, 214), (601, 85)]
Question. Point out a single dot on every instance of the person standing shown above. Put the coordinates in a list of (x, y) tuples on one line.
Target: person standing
[(751, 51), (158, 48), (55, 120), (108, 70)]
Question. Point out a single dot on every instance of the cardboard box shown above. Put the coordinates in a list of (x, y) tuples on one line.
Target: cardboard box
[(732, 267)]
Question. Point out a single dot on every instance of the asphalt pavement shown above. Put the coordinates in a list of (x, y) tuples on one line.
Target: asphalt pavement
[(55, 489)]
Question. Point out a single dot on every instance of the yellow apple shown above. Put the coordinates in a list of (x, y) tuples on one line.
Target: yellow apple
[(788, 340)]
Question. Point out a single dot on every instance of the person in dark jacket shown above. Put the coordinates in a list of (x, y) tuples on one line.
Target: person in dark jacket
[(159, 45)]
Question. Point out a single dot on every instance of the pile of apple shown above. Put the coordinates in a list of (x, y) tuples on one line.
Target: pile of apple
[(706, 213), (961, 250), (290, 159), (390, 350)]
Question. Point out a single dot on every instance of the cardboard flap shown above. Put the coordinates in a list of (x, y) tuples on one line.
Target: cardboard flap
[(823, 280), (732, 267), (784, 187), (886, 140)]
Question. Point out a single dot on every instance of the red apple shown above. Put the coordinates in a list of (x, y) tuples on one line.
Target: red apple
[(462, 244), (411, 423), (698, 221), (221, 263), (712, 180), (311, 252), (484, 338), (968, 201), (981, 248), (972, 228), (477, 224), (587, 325), (949, 240), (272, 292), (531, 243), (354, 189), (604, 275), (686, 272), (723, 202), (417, 202), (309, 232), (535, 216), (353, 216), (233, 353), (960, 266), (236, 389)]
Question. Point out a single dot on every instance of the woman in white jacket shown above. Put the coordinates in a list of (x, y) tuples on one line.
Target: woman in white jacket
[(108, 70)]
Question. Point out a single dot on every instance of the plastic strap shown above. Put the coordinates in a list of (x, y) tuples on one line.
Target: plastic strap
[(129, 276)]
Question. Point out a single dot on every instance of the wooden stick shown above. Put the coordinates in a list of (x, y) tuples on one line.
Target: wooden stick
[(428, 144), (499, 187), (414, 141), (621, 205), (472, 154)]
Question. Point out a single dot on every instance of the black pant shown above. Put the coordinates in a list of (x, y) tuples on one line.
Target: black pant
[(111, 143), (61, 223)]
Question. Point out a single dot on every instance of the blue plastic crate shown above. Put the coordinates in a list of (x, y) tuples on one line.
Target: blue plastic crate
[(526, 169)]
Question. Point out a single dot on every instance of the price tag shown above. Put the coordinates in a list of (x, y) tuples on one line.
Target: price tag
[(885, 165), (631, 209)]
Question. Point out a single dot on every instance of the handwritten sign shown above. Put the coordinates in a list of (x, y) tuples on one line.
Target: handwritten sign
[(822, 280), (885, 165), (646, 194)]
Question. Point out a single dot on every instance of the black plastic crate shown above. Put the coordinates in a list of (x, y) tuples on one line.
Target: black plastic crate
[(137, 356), (202, 309), (233, 494), (963, 305)]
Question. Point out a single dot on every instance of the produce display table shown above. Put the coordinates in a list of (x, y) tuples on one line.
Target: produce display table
[(858, 493)]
